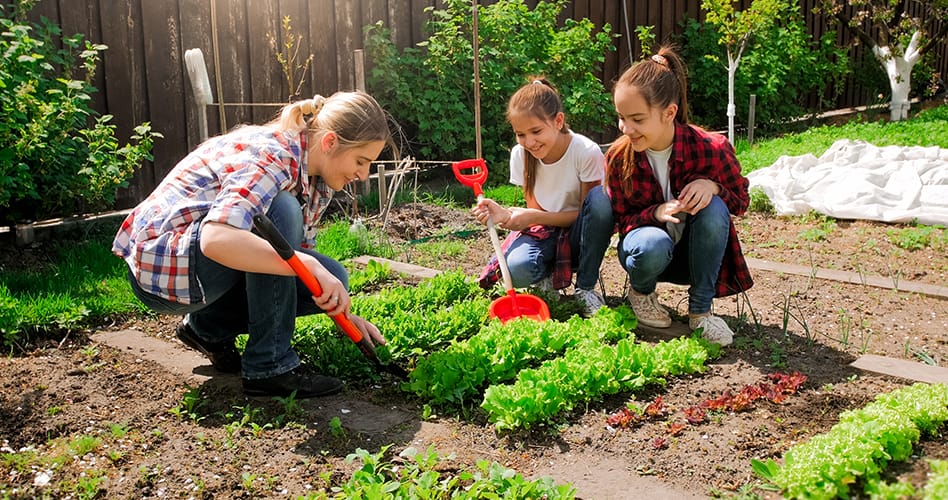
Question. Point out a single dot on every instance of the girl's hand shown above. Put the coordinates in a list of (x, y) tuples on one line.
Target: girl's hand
[(696, 195), (369, 331), (488, 207)]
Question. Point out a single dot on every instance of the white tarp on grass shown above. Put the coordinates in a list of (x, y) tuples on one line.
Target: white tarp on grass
[(857, 180)]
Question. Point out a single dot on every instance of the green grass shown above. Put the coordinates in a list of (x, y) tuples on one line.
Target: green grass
[(929, 128)]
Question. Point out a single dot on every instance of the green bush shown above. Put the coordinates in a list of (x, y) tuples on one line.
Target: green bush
[(57, 157), (782, 66), (430, 90)]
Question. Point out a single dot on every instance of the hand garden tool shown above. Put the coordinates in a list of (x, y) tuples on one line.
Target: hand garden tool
[(270, 233), (473, 173)]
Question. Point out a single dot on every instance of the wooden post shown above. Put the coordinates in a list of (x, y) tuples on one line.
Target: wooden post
[(750, 119), (358, 56)]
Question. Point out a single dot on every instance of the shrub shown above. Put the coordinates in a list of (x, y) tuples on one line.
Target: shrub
[(430, 89), (57, 157)]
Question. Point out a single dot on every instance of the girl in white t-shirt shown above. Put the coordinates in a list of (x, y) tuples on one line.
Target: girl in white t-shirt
[(567, 211)]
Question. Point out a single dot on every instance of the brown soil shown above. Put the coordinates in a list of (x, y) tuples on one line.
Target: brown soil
[(133, 373)]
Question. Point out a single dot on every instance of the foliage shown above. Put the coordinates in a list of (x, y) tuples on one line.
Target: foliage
[(288, 55), (499, 350), (782, 67), (422, 475), (56, 156), (340, 241), (861, 445), (83, 283), (430, 89), (589, 371), (900, 34)]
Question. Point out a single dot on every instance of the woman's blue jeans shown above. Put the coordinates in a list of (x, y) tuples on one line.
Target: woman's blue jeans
[(531, 260), (264, 306), (650, 255)]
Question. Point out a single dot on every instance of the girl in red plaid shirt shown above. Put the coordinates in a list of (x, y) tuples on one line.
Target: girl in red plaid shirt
[(674, 188), (191, 251)]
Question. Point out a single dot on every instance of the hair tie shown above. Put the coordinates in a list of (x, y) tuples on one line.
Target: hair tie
[(537, 82), (660, 60)]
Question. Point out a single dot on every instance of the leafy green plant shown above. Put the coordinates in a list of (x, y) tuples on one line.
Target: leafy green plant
[(56, 156), (422, 475), (859, 447), (430, 89), (587, 371), (916, 237)]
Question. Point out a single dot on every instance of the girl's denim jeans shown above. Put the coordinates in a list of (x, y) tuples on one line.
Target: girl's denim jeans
[(650, 255), (531, 260)]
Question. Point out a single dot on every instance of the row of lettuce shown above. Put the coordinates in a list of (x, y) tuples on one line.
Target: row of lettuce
[(523, 373)]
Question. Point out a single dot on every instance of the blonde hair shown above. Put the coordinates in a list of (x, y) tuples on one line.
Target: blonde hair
[(538, 99), (355, 117)]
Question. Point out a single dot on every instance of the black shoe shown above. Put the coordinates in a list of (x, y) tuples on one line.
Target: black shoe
[(224, 358), (302, 379)]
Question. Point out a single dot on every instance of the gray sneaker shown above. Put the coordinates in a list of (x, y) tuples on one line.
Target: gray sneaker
[(545, 285), (714, 329), (590, 299), (648, 311)]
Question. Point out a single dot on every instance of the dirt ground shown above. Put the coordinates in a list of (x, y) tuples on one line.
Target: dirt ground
[(134, 373)]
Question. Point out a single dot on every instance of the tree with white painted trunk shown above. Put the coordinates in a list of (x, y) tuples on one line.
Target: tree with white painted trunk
[(901, 37), (736, 29)]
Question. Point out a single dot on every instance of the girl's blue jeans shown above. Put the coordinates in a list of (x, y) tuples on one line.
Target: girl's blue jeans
[(264, 306), (650, 255), (531, 260)]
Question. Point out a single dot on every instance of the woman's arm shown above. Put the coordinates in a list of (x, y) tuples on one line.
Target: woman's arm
[(245, 251)]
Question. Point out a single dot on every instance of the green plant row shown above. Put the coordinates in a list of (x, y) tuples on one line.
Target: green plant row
[(861, 445), (589, 371), (500, 350), (420, 475), (413, 319)]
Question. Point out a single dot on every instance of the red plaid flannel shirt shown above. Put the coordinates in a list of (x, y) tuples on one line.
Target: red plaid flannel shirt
[(696, 154)]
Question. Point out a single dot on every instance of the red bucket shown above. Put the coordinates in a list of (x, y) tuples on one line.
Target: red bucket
[(516, 305)]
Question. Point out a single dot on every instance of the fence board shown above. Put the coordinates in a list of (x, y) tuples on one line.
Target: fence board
[(267, 80)]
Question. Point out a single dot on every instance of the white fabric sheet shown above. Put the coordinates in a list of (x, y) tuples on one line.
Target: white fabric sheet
[(857, 180)]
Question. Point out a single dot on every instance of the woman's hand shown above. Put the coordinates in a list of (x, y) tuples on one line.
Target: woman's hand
[(334, 299), (369, 331)]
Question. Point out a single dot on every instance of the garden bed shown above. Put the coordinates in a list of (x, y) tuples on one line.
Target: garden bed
[(788, 323)]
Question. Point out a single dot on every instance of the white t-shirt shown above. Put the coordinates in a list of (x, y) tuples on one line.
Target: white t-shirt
[(558, 185), (659, 162)]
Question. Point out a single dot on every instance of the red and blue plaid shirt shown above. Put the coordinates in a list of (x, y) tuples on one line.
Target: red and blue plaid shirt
[(696, 154), (227, 179)]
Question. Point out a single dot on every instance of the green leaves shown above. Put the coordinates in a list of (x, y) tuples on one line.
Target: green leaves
[(861, 445)]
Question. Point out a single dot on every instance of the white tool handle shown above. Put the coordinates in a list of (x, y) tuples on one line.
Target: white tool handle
[(495, 240)]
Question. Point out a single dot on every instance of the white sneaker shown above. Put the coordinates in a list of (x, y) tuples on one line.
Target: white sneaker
[(648, 311), (590, 299), (714, 329)]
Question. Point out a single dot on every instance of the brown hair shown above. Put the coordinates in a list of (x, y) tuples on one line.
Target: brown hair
[(539, 99), (355, 117), (660, 80)]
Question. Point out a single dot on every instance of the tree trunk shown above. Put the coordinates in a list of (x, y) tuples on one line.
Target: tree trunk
[(899, 70), (732, 63)]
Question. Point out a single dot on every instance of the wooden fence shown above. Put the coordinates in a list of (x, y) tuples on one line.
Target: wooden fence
[(142, 76)]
